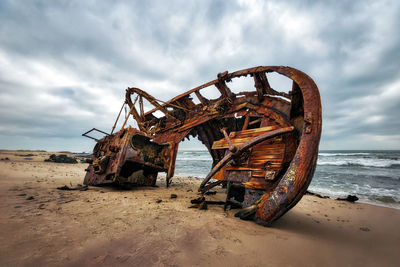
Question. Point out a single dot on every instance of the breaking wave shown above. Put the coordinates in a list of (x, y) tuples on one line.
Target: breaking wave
[(343, 154), (361, 162)]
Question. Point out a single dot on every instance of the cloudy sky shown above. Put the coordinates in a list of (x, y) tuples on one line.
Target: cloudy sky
[(65, 65)]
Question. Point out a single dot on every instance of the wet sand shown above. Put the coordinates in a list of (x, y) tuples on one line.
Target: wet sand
[(105, 226)]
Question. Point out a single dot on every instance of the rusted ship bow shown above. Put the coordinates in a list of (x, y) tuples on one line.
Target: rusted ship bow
[(263, 142)]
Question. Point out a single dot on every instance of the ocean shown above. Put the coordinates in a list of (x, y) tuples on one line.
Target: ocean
[(373, 176)]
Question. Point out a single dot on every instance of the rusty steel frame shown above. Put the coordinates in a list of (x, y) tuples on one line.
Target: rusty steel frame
[(263, 141)]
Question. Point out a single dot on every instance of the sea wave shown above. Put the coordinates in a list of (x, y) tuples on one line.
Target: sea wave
[(194, 158), (345, 159), (343, 154), (357, 159), (374, 196), (361, 162), (384, 199), (373, 176)]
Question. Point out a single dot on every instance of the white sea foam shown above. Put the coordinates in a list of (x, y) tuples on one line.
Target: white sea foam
[(343, 154), (365, 162), (195, 158), (328, 191)]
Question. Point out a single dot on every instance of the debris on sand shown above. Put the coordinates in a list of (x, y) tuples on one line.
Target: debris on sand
[(198, 200), (61, 159), (349, 198), (174, 195), (78, 187), (203, 206)]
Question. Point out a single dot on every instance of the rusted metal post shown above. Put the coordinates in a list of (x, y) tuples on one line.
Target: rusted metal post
[(130, 112), (116, 120)]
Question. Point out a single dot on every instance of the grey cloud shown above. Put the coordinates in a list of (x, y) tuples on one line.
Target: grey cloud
[(64, 65)]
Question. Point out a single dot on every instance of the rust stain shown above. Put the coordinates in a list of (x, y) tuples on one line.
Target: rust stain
[(264, 143)]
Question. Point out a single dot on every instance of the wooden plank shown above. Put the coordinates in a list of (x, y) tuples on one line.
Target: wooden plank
[(253, 168), (271, 151), (262, 153), (260, 174), (242, 137), (271, 148), (275, 166), (266, 145), (268, 156), (222, 143), (251, 132), (266, 159), (262, 163), (232, 168), (268, 151)]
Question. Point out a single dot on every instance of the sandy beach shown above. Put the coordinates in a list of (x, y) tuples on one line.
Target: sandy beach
[(106, 226)]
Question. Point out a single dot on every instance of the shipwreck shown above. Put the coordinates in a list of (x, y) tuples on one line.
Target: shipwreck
[(263, 142)]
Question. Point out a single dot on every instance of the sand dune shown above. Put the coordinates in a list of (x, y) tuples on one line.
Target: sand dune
[(105, 226)]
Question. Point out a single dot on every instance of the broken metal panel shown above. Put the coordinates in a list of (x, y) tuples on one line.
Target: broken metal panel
[(118, 156), (264, 140)]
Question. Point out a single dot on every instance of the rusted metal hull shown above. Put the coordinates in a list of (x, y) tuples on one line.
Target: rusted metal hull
[(262, 141)]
